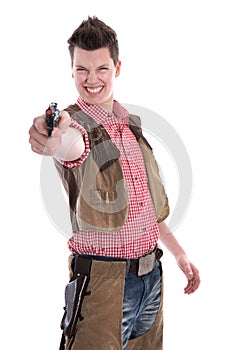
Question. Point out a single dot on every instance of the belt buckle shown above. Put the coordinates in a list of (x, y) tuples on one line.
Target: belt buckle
[(146, 264)]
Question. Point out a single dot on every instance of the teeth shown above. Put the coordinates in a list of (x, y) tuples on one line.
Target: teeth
[(94, 90)]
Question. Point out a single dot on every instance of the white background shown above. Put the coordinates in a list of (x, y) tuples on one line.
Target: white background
[(177, 61)]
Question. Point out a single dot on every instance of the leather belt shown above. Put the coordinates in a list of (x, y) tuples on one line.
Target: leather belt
[(141, 266), (134, 263)]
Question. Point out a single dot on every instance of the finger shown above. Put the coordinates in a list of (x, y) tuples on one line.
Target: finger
[(188, 271), (192, 285), (190, 289), (65, 121), (39, 142), (37, 137), (65, 115), (62, 125), (37, 150), (48, 149), (37, 147), (39, 124)]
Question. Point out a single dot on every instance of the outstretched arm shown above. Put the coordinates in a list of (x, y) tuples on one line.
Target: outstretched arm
[(190, 271)]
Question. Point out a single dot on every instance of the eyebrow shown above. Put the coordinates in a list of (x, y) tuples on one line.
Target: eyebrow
[(101, 66), (104, 65), (79, 66)]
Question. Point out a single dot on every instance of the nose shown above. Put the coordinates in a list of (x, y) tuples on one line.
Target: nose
[(92, 78)]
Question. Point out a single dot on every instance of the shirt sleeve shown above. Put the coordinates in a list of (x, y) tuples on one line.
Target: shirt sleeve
[(72, 164)]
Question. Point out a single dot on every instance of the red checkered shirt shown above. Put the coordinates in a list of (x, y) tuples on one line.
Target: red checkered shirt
[(140, 233)]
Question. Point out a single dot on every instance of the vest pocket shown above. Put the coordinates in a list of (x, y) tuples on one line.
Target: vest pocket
[(96, 197), (101, 213)]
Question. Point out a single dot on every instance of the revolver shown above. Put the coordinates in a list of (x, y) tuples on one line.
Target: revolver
[(52, 117)]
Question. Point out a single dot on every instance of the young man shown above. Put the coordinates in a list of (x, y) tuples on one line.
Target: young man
[(118, 205)]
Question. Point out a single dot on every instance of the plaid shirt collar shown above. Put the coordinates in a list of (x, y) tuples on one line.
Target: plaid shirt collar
[(100, 115)]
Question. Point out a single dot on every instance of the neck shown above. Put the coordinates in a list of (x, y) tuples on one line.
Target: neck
[(107, 106)]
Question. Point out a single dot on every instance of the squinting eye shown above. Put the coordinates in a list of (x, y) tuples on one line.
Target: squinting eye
[(103, 68)]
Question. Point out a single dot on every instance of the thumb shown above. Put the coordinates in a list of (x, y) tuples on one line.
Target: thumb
[(64, 122), (188, 272)]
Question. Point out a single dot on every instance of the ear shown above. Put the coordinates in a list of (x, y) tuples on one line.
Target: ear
[(118, 69)]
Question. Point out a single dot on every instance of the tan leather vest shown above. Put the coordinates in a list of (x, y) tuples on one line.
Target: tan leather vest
[(96, 189)]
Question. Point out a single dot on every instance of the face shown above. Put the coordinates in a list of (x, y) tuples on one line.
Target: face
[(94, 73)]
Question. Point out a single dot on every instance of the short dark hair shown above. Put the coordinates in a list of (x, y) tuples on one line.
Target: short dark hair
[(94, 34)]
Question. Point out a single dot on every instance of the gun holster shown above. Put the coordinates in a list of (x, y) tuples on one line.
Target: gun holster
[(75, 292)]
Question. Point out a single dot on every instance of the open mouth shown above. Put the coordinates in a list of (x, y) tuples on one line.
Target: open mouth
[(94, 90)]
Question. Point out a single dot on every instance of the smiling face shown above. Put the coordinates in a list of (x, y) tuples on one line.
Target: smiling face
[(94, 73)]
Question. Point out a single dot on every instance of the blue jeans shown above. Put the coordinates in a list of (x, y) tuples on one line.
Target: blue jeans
[(141, 303)]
